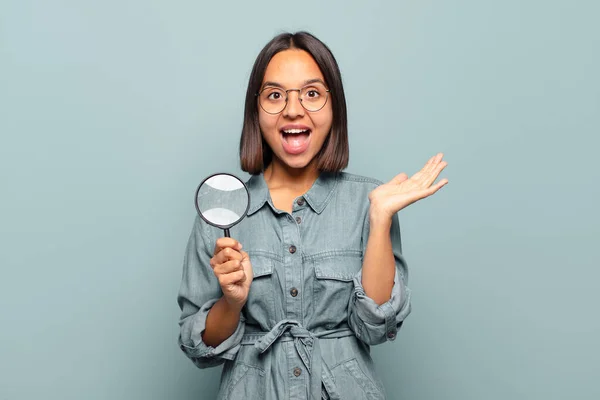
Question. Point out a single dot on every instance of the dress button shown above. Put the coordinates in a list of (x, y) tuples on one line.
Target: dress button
[(294, 292), (391, 335), (297, 371), (300, 201), (298, 220), (292, 249)]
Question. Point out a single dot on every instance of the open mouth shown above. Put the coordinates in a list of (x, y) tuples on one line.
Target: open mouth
[(295, 141)]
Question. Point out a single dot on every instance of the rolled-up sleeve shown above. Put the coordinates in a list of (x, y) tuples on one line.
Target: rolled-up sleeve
[(198, 292), (373, 323)]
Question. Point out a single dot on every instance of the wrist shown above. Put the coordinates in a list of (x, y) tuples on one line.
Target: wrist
[(379, 220), (232, 307)]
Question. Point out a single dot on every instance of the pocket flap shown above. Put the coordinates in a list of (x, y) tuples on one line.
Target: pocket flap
[(261, 266), (341, 268)]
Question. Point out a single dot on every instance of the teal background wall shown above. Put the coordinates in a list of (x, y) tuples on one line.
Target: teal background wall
[(112, 112)]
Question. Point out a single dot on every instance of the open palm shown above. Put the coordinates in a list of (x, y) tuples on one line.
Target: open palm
[(391, 197)]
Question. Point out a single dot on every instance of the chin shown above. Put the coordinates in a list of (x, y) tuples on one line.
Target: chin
[(297, 165), (296, 162)]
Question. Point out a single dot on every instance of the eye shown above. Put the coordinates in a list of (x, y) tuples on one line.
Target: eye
[(273, 94), (312, 92)]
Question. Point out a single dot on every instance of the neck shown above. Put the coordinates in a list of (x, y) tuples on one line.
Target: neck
[(278, 174)]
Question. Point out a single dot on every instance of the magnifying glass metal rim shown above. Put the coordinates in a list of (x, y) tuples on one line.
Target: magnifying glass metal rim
[(225, 227)]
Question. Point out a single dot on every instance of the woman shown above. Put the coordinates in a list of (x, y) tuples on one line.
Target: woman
[(321, 276)]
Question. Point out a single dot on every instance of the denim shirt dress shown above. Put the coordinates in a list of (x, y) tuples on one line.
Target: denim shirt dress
[(307, 326)]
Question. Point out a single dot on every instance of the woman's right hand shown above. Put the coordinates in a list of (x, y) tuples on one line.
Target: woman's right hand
[(233, 269)]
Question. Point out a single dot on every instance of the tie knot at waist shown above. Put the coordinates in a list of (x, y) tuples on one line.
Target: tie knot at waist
[(292, 327)]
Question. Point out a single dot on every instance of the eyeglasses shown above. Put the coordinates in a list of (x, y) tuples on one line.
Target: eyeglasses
[(274, 99)]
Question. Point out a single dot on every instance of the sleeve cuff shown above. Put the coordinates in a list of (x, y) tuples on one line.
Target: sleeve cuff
[(387, 317), (195, 347)]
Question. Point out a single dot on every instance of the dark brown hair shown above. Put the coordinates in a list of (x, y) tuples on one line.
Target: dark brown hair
[(255, 153)]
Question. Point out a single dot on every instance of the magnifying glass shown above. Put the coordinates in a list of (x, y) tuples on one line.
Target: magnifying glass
[(222, 200)]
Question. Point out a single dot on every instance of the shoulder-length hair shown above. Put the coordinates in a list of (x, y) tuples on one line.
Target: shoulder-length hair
[(255, 153)]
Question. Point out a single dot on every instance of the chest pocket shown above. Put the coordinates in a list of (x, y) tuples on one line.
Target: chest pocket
[(333, 286), (260, 306)]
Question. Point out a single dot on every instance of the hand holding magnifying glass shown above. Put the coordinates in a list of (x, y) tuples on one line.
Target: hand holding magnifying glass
[(222, 200)]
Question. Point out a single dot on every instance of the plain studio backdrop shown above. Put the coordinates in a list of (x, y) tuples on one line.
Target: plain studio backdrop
[(112, 112)]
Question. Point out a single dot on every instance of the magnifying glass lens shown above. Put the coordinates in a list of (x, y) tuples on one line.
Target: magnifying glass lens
[(222, 200)]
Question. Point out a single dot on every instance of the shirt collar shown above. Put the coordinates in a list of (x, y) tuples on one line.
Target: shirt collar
[(317, 196)]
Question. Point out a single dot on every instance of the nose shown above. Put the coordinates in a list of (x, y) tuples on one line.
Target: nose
[(293, 107)]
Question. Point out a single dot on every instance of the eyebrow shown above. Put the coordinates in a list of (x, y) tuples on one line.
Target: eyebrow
[(306, 82)]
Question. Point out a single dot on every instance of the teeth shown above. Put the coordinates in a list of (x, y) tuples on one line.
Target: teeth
[(295, 130)]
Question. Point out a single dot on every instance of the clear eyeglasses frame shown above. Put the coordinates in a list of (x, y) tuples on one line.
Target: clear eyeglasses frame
[(273, 99)]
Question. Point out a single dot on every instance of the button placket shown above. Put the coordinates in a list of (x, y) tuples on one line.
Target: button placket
[(292, 257), (292, 260)]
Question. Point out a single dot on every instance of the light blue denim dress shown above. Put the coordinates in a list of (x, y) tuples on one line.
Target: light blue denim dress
[(307, 327)]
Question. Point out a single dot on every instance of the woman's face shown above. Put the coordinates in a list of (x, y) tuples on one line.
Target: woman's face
[(295, 135)]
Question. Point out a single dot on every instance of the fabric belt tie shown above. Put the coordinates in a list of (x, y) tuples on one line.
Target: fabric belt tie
[(307, 347)]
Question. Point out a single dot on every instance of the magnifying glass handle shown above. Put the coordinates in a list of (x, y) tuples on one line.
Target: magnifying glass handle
[(227, 232)]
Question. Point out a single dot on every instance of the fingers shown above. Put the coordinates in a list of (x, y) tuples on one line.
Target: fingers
[(431, 190), (226, 254), (417, 195), (423, 177), (231, 271), (232, 278), (226, 242), (228, 267), (433, 175), (433, 163), (400, 178), (430, 171), (226, 249), (227, 261)]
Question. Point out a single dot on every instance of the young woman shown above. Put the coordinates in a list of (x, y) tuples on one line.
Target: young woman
[(321, 276)]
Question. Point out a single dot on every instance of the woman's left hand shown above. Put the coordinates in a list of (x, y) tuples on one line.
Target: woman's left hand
[(389, 198)]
